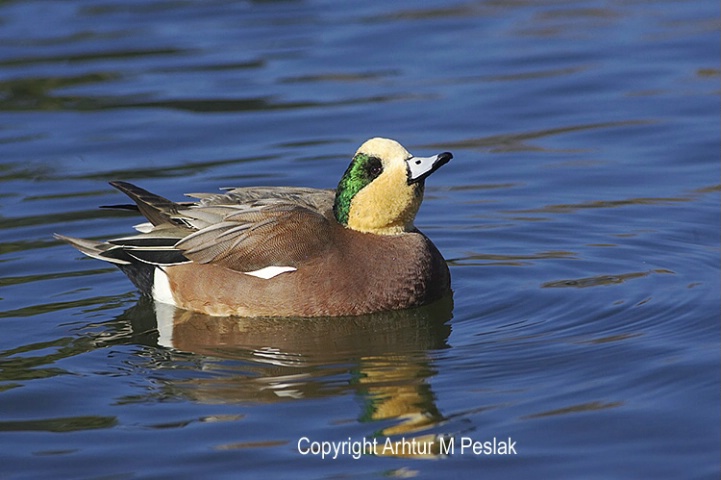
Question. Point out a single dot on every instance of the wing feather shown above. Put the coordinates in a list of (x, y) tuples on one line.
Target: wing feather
[(244, 229), (275, 235)]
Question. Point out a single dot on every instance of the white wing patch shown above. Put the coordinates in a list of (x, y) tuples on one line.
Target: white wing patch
[(146, 227), (270, 272)]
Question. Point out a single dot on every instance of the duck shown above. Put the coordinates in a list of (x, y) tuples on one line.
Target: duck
[(288, 251)]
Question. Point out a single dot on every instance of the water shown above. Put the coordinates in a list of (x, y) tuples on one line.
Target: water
[(580, 219)]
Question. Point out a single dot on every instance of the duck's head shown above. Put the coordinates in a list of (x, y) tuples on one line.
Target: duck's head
[(382, 189)]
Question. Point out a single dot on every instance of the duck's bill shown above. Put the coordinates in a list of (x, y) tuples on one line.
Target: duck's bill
[(420, 167)]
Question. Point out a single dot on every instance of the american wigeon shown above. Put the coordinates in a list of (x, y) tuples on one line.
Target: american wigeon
[(285, 251)]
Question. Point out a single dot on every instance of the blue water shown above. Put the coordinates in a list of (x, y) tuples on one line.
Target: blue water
[(580, 218)]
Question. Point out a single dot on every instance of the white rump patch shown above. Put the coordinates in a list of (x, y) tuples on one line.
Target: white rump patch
[(270, 272), (161, 287), (143, 227)]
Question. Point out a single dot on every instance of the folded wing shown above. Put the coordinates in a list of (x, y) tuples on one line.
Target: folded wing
[(244, 229)]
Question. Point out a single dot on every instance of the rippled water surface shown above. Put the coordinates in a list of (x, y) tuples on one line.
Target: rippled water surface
[(579, 217)]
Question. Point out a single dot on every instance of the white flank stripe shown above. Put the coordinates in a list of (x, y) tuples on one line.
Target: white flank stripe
[(270, 272), (161, 287)]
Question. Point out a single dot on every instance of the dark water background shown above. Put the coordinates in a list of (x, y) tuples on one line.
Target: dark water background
[(580, 219)]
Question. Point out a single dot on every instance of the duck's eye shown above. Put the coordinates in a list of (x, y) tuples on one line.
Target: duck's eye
[(374, 167)]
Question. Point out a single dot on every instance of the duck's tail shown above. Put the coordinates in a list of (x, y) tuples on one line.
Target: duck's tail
[(154, 247), (140, 273)]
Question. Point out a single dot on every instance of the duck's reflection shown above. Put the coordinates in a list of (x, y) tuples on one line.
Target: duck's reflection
[(383, 358)]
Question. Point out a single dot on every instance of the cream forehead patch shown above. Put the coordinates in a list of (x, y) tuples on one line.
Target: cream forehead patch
[(384, 148)]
